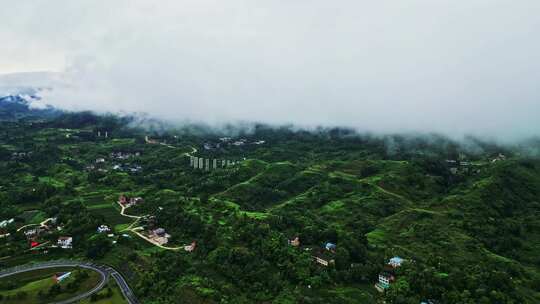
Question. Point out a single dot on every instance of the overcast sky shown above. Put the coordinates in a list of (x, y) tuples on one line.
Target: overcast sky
[(454, 67)]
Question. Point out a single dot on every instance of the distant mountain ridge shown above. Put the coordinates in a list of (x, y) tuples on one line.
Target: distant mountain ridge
[(13, 107), (19, 98), (20, 95)]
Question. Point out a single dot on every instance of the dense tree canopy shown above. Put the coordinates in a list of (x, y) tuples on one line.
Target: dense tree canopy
[(469, 232)]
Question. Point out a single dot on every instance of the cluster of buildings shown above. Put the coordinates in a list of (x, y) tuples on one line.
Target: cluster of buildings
[(240, 142), (155, 234), (127, 168), (119, 155), (210, 164), (461, 166), (325, 256), (321, 255), (388, 275), (35, 234), (129, 201), (100, 164), (228, 141), (159, 235), (225, 141)]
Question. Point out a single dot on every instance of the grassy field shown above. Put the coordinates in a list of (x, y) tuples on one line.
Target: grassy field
[(103, 297), (28, 293), (34, 286), (111, 216)]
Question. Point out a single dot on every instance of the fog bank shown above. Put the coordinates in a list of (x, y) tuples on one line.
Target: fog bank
[(455, 68)]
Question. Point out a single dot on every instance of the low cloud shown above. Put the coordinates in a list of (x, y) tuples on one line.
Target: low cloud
[(471, 67)]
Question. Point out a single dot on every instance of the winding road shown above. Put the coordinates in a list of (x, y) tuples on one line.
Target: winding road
[(103, 270), (148, 141), (136, 230), (40, 224)]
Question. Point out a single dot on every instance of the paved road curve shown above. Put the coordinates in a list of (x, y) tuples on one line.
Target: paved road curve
[(104, 271)]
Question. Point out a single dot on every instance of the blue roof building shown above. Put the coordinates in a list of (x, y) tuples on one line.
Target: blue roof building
[(396, 261)]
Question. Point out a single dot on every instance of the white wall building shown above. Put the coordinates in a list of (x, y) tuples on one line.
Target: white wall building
[(65, 242)]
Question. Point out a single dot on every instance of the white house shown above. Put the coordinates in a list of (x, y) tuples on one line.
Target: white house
[(65, 242), (103, 228)]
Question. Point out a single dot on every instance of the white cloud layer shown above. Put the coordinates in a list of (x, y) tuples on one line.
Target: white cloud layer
[(453, 67)]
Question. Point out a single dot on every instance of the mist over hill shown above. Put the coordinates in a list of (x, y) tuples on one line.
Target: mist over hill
[(37, 90), (456, 69), (26, 100)]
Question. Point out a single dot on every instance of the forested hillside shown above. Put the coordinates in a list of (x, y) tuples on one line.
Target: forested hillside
[(464, 217)]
